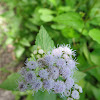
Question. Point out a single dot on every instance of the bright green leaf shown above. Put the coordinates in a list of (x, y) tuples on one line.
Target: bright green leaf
[(46, 11), (44, 96), (25, 42), (78, 76), (95, 72), (69, 33), (95, 56), (95, 34), (11, 82), (72, 19), (46, 18), (44, 40), (19, 51), (96, 92)]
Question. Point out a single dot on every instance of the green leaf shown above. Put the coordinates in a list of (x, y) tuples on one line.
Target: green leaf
[(44, 40), (95, 57), (19, 51), (9, 41), (95, 34), (46, 11), (96, 92), (72, 19), (95, 72), (46, 18), (44, 96), (11, 82), (78, 76), (69, 32), (95, 21), (58, 26), (25, 42)]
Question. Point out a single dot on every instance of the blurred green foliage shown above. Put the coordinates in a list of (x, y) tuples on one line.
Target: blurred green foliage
[(74, 22)]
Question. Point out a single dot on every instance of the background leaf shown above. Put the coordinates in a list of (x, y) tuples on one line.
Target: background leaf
[(71, 19), (95, 34)]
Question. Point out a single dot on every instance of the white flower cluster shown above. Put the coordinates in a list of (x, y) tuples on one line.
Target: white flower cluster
[(52, 71)]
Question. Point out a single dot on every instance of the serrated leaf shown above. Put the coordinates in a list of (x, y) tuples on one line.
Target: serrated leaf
[(71, 19), (11, 82), (95, 35), (78, 76), (44, 40)]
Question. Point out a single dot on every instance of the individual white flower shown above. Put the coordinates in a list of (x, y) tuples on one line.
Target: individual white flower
[(57, 52), (80, 89), (35, 52), (40, 51), (67, 50), (75, 94), (67, 93), (38, 56), (76, 86), (43, 73), (69, 98), (66, 57)]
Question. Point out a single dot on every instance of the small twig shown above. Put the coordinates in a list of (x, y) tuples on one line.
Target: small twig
[(90, 68)]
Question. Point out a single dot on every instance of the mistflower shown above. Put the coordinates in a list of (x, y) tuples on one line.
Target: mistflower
[(41, 62), (54, 72), (61, 62), (65, 72), (37, 84), (22, 86), (71, 64), (32, 65), (59, 87), (69, 83), (43, 73), (75, 94), (51, 71), (48, 84), (49, 60), (30, 76), (67, 50), (57, 52), (67, 93)]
